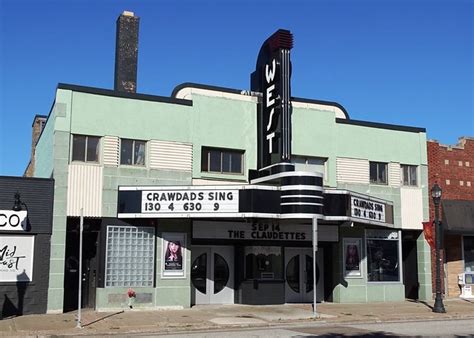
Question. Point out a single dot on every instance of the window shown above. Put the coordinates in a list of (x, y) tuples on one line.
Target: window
[(383, 256), (263, 262), (132, 152), (378, 172), (85, 148), (468, 253), (409, 175), (130, 256), (222, 160)]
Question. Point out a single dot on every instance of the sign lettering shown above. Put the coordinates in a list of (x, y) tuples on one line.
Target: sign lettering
[(367, 209), (272, 79), (252, 231), (13, 220), (190, 201), (273, 114)]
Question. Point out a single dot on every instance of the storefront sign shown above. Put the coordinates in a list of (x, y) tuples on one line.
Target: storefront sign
[(189, 201), (367, 209), (16, 258), (13, 220), (261, 231)]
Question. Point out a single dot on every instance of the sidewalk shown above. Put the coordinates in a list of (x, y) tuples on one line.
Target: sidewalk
[(208, 317)]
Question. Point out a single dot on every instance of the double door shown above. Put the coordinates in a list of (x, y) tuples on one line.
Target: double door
[(212, 275), (299, 283)]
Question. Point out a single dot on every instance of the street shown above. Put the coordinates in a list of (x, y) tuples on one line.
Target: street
[(444, 328)]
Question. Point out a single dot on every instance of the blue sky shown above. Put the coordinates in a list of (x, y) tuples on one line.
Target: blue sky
[(399, 62)]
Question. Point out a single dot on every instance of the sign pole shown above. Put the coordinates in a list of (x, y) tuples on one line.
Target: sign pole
[(315, 250), (79, 303)]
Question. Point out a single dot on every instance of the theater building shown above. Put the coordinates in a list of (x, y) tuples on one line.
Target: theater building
[(209, 196)]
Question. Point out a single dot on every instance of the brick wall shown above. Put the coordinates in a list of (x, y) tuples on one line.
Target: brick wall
[(452, 167), (37, 128)]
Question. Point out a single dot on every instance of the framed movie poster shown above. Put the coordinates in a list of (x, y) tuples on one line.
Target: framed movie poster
[(352, 257), (173, 258)]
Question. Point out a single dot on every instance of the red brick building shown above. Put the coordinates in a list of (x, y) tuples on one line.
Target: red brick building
[(452, 167)]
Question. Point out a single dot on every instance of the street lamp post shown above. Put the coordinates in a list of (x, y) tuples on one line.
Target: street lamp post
[(436, 195)]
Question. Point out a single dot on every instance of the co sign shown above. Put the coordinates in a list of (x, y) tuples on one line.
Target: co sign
[(12, 220)]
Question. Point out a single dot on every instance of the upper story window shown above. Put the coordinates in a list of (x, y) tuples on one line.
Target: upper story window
[(409, 176), (85, 148), (378, 172), (132, 152), (222, 160)]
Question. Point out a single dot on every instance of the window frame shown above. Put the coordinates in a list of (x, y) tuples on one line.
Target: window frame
[(133, 159), (377, 181), (86, 141), (409, 166), (222, 151)]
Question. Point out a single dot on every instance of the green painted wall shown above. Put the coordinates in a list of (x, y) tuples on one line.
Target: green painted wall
[(113, 177), (146, 120), (380, 144), (58, 238), (358, 289), (319, 135), (424, 268), (168, 292)]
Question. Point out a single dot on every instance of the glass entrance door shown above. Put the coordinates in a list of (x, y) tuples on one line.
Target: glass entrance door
[(212, 275), (299, 275)]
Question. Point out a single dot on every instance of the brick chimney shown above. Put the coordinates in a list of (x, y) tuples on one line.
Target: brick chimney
[(37, 127), (126, 53)]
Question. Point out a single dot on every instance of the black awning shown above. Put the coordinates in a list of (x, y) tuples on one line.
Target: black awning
[(458, 216)]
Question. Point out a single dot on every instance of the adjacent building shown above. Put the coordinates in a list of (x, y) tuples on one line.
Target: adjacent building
[(26, 206), (452, 168), (211, 195)]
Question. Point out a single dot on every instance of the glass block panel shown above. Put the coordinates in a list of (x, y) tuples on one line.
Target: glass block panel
[(127, 264)]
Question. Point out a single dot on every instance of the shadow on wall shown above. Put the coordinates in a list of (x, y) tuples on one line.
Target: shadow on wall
[(9, 309)]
